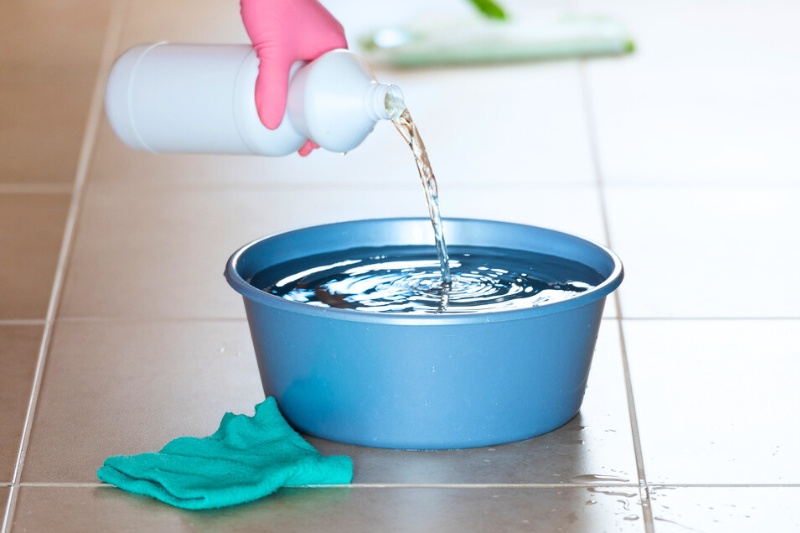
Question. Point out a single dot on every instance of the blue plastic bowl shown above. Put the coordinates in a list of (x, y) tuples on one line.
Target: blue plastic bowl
[(423, 381)]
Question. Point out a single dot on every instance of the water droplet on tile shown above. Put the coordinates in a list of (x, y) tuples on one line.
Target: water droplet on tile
[(597, 490), (662, 519), (598, 478)]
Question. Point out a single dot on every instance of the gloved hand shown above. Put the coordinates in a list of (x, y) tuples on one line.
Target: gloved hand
[(282, 32)]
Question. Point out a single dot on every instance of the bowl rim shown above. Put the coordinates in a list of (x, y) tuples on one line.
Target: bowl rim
[(592, 295)]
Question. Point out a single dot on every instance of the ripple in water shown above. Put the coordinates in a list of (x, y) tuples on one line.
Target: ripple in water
[(408, 279)]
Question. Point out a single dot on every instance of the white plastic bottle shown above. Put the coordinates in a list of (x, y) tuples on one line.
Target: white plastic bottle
[(201, 99)]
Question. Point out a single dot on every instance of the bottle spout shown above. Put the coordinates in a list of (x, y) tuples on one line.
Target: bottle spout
[(386, 101)]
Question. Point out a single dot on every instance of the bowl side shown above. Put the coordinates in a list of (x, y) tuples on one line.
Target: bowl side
[(402, 386), (460, 381)]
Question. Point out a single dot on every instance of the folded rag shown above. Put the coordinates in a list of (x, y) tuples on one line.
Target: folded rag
[(246, 459)]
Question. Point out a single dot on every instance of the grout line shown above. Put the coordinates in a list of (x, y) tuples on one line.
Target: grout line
[(604, 485), (76, 485), (179, 320), (147, 320), (63, 485), (644, 491), (23, 322), (35, 188), (711, 318), (461, 486), (558, 486), (725, 485), (166, 319), (111, 38), (685, 183)]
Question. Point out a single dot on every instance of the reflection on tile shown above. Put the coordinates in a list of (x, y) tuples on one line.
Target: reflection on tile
[(715, 400), (714, 106), (151, 253), (595, 445), (724, 509), (41, 130), (19, 352), (339, 510), (112, 388), (40, 38), (707, 252), (31, 231)]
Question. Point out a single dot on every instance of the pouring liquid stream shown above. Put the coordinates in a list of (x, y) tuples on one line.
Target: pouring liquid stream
[(405, 125)]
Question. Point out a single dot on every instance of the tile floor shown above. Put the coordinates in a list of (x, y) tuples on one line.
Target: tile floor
[(118, 332)]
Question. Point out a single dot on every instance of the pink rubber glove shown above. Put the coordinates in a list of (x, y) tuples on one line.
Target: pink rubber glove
[(282, 32)]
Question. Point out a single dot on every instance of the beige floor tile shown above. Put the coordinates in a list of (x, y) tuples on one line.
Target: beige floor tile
[(172, 366), (440, 510), (4, 494), (483, 126), (493, 125), (19, 352), (31, 231), (112, 388), (160, 252), (42, 125), (182, 21), (59, 40), (739, 129), (716, 400), (708, 96), (724, 509), (707, 252), (594, 447)]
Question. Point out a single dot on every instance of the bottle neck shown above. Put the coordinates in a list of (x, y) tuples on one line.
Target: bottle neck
[(384, 101)]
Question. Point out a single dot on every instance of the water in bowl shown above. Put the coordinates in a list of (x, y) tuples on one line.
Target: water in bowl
[(407, 279)]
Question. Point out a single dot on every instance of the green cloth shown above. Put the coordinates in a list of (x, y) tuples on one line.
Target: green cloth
[(246, 459)]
